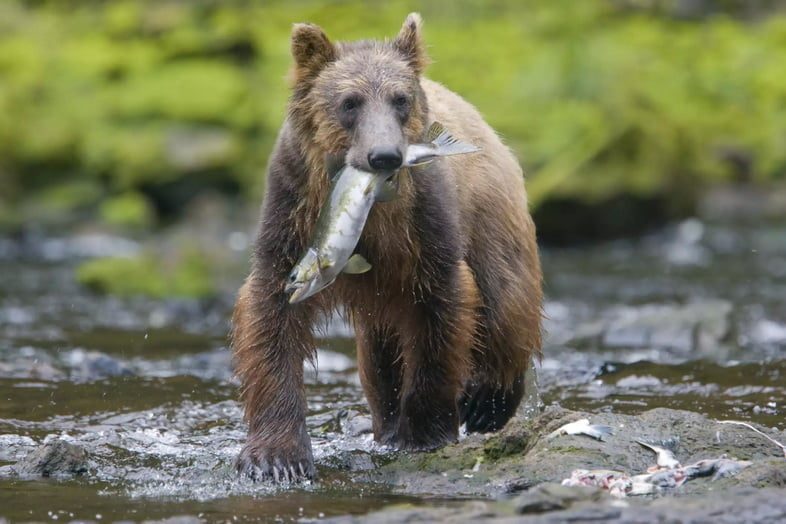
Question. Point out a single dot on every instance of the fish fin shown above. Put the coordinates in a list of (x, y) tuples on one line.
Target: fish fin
[(434, 131), (598, 431), (647, 445), (671, 444), (356, 265), (324, 263), (387, 190), (446, 143)]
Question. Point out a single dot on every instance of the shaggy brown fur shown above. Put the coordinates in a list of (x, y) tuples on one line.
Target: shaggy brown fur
[(448, 318)]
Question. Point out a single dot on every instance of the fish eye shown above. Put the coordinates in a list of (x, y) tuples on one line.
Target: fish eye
[(292, 277)]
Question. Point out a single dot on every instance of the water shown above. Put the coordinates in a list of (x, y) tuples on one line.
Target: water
[(690, 318)]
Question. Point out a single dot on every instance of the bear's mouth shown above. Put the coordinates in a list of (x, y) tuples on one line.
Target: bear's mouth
[(296, 291), (335, 161)]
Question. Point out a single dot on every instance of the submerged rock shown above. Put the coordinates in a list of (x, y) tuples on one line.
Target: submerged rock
[(552, 497), (698, 326), (356, 424), (54, 459), (695, 329)]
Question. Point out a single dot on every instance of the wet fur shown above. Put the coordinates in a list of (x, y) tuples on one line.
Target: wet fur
[(449, 317)]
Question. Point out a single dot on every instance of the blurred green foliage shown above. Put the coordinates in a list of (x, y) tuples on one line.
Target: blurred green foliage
[(105, 105), (188, 277), (129, 210)]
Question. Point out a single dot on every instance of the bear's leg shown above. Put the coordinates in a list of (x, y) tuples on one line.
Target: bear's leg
[(509, 336), (436, 355), (380, 373), (271, 341)]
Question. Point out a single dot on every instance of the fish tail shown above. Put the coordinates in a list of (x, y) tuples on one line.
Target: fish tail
[(601, 430), (446, 143), (671, 444)]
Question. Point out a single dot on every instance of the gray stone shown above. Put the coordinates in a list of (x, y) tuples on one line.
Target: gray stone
[(521, 455), (55, 459), (743, 203), (720, 507), (698, 326), (551, 496), (352, 461), (356, 424)]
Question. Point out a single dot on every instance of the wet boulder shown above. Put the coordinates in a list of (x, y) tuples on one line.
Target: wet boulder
[(554, 497), (54, 459), (528, 453), (520, 470)]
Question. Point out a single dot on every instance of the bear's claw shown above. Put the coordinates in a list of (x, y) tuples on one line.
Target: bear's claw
[(260, 465)]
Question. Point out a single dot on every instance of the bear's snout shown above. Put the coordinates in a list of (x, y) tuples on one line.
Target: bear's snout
[(385, 158)]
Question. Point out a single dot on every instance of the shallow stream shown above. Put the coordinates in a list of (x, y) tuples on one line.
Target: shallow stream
[(692, 317)]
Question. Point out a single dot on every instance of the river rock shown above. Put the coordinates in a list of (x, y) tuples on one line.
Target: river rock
[(356, 424), (746, 203), (54, 459), (698, 326), (552, 497), (523, 455)]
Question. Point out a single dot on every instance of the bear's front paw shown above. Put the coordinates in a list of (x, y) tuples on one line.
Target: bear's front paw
[(281, 462)]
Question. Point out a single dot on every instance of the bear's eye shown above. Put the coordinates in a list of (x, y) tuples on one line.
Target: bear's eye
[(400, 101), (351, 103)]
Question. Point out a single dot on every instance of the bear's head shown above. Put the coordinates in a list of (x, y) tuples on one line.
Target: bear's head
[(359, 102)]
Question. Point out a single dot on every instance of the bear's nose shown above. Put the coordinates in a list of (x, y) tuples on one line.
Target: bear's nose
[(384, 159)]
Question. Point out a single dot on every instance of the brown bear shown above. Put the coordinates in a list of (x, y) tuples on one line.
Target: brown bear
[(448, 319)]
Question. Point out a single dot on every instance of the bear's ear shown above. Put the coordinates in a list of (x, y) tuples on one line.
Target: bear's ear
[(311, 50), (409, 43)]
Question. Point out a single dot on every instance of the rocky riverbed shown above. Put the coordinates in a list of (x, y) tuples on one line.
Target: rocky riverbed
[(117, 409)]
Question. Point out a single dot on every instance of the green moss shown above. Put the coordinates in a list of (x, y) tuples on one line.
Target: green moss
[(129, 210), (59, 203), (133, 154), (192, 277), (567, 449), (505, 445), (9, 218), (146, 275), (123, 276), (450, 459)]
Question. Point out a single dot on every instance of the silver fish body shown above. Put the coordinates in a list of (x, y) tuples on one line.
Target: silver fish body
[(718, 468), (340, 223), (583, 427), (418, 154)]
